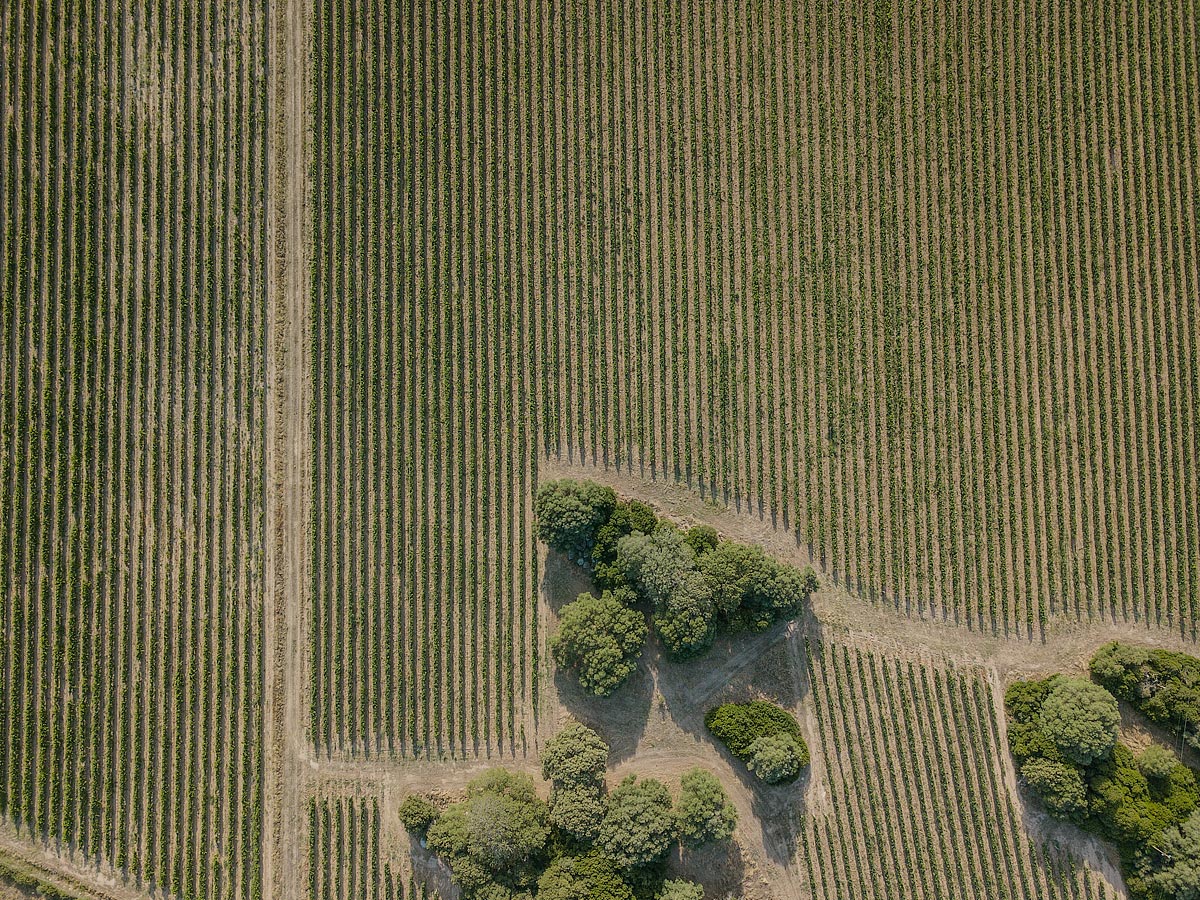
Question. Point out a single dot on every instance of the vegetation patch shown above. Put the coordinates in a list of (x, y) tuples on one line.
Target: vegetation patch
[(503, 842), (764, 736), (694, 584), (1162, 685), (1063, 735)]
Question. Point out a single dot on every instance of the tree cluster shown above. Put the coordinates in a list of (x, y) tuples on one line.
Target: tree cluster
[(1162, 685), (504, 843), (693, 584), (764, 736), (1063, 735)]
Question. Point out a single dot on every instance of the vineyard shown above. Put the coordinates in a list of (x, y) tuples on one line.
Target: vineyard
[(131, 442), (423, 587), (345, 860), (919, 806)]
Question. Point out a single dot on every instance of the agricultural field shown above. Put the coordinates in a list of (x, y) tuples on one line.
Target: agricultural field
[(132, 352), (302, 300)]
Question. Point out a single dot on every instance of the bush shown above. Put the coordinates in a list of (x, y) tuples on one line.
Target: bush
[(739, 725), (575, 756), (599, 640), (639, 826), (1081, 719), (1059, 785), (569, 514), (776, 758), (1162, 685), (701, 538), (417, 814), (590, 877), (1178, 871), (1157, 762), (704, 812), (681, 890)]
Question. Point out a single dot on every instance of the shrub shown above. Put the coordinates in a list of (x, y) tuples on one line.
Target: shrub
[(1162, 685), (575, 756), (600, 640), (704, 812), (739, 725), (681, 890), (569, 514), (1157, 762), (417, 814), (776, 758), (701, 538), (1178, 875), (1059, 785), (639, 826), (1081, 719)]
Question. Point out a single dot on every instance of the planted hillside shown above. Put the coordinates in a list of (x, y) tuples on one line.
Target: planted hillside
[(694, 584), (1063, 734), (1162, 685)]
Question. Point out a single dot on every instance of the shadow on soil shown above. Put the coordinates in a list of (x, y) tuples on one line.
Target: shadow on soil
[(770, 666)]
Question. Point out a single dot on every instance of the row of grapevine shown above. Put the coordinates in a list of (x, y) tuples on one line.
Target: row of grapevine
[(131, 436), (920, 279), (912, 760), (344, 857), (424, 638)]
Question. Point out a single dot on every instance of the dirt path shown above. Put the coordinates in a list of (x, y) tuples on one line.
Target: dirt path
[(89, 882), (286, 746)]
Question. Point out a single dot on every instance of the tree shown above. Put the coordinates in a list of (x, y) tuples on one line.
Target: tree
[(1179, 875), (775, 758), (569, 513), (681, 890), (417, 814), (684, 618), (1081, 719), (589, 877), (1157, 762), (575, 756), (731, 570), (702, 539), (499, 831), (577, 809), (1060, 786), (655, 563), (626, 518), (600, 640), (704, 812), (639, 826)]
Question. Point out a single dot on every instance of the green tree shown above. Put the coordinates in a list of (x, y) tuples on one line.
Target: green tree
[(702, 539), (569, 513), (417, 814), (681, 890), (655, 563), (704, 812), (1178, 876), (576, 755), (626, 518), (589, 877), (599, 640), (684, 619), (577, 810), (775, 758), (1081, 719), (639, 826), (1059, 785), (1157, 762)]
